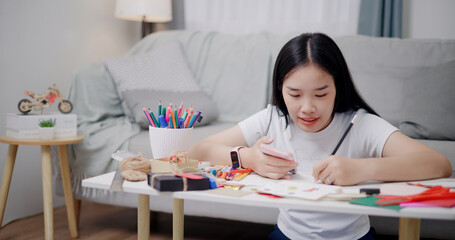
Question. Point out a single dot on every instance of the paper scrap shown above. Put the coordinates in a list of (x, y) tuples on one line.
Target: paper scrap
[(400, 189), (298, 190)]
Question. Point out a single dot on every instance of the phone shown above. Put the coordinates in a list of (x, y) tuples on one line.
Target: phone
[(269, 150)]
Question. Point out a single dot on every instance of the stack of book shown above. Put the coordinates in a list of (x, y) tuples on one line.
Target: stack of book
[(27, 126)]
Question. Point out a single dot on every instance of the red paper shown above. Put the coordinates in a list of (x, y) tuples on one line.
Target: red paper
[(190, 176), (448, 203), (269, 195)]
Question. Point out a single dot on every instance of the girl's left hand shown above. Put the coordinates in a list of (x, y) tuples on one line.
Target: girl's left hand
[(339, 171)]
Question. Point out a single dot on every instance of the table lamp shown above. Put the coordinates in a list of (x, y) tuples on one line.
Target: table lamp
[(147, 11)]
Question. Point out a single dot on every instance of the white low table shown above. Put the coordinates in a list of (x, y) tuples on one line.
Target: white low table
[(409, 217)]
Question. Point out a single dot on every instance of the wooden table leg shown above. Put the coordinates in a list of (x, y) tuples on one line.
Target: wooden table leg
[(409, 228), (143, 217), (6, 179), (178, 220), (47, 192), (77, 210), (66, 179)]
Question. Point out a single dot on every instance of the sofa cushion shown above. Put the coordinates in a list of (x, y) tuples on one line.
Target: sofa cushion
[(429, 104), (234, 70), (200, 101), (161, 69), (380, 66), (387, 103)]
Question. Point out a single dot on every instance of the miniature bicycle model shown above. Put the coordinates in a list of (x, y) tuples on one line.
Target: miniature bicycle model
[(42, 101)]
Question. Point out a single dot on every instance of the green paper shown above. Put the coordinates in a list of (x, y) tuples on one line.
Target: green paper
[(370, 201)]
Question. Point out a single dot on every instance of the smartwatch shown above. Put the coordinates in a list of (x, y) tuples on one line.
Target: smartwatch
[(235, 157)]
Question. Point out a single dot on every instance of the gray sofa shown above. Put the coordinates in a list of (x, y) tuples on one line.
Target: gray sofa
[(410, 83)]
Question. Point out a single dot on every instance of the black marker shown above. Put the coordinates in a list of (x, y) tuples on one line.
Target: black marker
[(370, 191)]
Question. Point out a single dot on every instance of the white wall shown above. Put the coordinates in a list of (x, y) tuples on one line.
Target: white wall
[(41, 43), (429, 19)]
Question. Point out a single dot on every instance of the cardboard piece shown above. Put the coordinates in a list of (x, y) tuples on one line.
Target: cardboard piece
[(162, 165), (400, 189)]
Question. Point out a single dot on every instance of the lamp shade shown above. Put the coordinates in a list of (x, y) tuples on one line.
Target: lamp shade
[(144, 10)]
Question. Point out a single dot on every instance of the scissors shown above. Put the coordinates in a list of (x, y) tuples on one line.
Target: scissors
[(436, 192)]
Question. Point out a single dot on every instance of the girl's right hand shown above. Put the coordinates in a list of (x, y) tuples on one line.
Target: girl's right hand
[(266, 165)]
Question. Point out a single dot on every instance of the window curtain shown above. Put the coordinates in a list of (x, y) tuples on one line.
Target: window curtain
[(333, 17), (380, 18)]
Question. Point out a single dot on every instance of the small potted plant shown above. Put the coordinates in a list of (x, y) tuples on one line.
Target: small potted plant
[(46, 129)]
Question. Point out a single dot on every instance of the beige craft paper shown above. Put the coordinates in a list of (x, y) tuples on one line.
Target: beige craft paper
[(400, 189), (161, 166)]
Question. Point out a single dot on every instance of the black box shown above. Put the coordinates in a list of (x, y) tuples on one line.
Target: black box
[(174, 183)]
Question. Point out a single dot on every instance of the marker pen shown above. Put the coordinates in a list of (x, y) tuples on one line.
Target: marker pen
[(163, 123)]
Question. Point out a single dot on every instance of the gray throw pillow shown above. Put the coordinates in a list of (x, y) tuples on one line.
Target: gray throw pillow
[(163, 69), (429, 108), (151, 98)]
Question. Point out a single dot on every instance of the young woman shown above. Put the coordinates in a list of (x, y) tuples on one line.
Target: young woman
[(314, 100)]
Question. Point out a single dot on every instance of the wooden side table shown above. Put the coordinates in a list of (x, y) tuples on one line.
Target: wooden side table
[(47, 179)]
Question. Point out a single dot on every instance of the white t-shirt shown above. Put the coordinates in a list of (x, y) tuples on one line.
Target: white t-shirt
[(365, 139)]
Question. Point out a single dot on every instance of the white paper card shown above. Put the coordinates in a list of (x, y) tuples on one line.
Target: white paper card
[(298, 190)]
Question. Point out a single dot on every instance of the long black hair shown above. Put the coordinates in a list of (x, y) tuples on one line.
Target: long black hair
[(321, 50)]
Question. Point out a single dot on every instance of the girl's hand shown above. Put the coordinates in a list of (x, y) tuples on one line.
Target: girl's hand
[(265, 165), (339, 171)]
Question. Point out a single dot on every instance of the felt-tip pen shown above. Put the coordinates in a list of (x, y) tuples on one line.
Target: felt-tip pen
[(195, 118), (162, 120)]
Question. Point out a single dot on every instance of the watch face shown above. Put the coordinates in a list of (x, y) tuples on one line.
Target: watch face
[(235, 159)]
